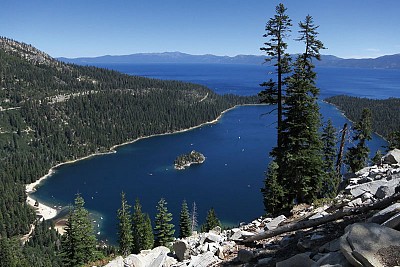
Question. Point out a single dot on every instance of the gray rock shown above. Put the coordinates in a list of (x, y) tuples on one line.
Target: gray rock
[(331, 246), (245, 255), (316, 237), (117, 262), (347, 250), (134, 260), (366, 196), (318, 215), (393, 222), (182, 250), (366, 239), (392, 157), (332, 259), (385, 214), (355, 202), (371, 187), (211, 237), (216, 230), (364, 171), (299, 260), (304, 245), (240, 235), (275, 222), (263, 262), (318, 256), (385, 191), (203, 260), (285, 241)]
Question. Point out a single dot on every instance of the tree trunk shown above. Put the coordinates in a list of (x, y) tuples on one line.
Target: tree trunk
[(294, 226)]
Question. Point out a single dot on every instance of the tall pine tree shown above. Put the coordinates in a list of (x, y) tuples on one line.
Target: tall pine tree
[(357, 156), (143, 237), (79, 243), (164, 230), (277, 30), (301, 165), (185, 229), (125, 235)]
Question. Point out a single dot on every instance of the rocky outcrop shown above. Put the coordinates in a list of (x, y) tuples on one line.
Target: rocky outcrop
[(157, 257), (364, 243), (392, 157)]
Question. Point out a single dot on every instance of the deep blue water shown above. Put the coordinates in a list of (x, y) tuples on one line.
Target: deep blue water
[(236, 150)]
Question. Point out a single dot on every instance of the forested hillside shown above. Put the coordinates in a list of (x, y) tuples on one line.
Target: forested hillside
[(385, 119), (51, 112)]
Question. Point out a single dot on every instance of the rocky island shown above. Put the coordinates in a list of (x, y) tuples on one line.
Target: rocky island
[(185, 160)]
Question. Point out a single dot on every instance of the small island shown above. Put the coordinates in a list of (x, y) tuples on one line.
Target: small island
[(185, 160)]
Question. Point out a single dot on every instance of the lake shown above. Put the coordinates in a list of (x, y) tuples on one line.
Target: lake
[(236, 150)]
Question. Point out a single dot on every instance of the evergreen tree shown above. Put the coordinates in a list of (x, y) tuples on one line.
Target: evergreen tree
[(125, 234), (377, 159), (193, 218), (272, 191), (394, 140), (331, 181), (357, 156), (10, 253), (301, 166), (164, 230), (212, 221), (277, 29), (148, 236), (185, 229), (79, 244), (143, 237)]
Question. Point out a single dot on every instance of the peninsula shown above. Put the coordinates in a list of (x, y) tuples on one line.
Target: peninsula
[(185, 160)]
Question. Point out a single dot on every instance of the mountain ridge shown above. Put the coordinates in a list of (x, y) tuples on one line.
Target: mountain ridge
[(383, 62)]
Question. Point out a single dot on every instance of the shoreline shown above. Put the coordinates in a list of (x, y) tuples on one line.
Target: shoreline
[(344, 115), (48, 212), (43, 210)]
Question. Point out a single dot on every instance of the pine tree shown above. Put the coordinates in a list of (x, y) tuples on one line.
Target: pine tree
[(301, 164), (277, 29), (148, 236), (193, 218), (212, 221), (357, 156), (143, 237), (272, 191), (79, 244), (125, 233), (331, 178), (394, 140), (164, 230), (185, 229), (377, 159)]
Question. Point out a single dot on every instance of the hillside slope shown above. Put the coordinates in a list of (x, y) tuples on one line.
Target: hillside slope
[(385, 119)]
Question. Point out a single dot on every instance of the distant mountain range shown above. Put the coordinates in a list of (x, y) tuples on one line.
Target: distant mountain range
[(384, 62)]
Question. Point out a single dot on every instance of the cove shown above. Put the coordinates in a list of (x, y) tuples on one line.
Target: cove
[(236, 150)]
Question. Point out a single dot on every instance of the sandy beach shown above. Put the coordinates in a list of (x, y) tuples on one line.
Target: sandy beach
[(43, 210)]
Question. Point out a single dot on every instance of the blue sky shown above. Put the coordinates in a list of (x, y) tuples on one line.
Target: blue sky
[(77, 28)]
